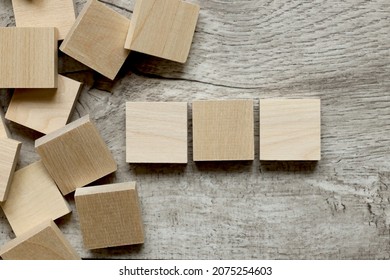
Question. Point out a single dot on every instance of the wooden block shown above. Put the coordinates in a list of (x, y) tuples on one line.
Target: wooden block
[(156, 132), (43, 242), (9, 154), (163, 28), (29, 57), (110, 215), (97, 39), (45, 13), (290, 129), (33, 198), (44, 110), (75, 155), (4, 132), (223, 130)]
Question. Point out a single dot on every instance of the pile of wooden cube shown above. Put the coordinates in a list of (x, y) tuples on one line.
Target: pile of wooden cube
[(73, 155)]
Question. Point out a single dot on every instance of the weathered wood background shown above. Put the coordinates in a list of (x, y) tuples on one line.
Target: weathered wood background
[(336, 209)]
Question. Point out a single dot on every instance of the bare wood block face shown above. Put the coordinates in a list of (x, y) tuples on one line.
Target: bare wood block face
[(163, 28), (33, 198), (97, 39), (4, 133), (43, 242), (28, 57), (44, 110), (9, 154), (75, 155), (290, 129), (110, 215), (223, 130), (45, 13), (156, 132)]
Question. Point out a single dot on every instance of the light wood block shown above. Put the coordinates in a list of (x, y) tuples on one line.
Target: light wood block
[(45, 13), (97, 39), (4, 132), (28, 57), (75, 155), (44, 110), (110, 215), (33, 198), (9, 154), (156, 132), (290, 129), (223, 130), (43, 242), (163, 28)]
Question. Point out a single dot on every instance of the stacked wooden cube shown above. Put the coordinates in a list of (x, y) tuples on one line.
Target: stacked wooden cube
[(75, 155)]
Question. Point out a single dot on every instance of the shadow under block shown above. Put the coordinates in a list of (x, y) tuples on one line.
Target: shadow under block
[(110, 215), (44, 110), (4, 132), (75, 155), (28, 57), (223, 130), (43, 242), (45, 13), (290, 129), (97, 39), (156, 132), (163, 28), (33, 198), (9, 154)]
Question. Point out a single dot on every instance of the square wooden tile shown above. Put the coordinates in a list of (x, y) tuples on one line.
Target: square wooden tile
[(28, 57), (97, 39), (33, 198), (45, 13), (290, 129), (223, 130), (43, 242), (9, 155), (75, 155), (156, 132), (44, 110), (163, 28), (110, 215)]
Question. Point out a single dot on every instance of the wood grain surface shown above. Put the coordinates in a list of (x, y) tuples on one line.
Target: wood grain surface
[(339, 208)]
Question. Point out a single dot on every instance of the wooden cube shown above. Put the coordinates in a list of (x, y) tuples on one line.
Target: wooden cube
[(156, 132), (223, 130), (4, 133), (97, 39), (290, 129), (9, 154), (28, 57), (163, 28), (43, 242), (75, 155), (110, 215), (33, 198), (45, 13), (44, 110)]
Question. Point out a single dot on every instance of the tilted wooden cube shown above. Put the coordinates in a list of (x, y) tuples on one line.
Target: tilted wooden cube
[(156, 132), (44, 110), (290, 129), (163, 28), (75, 155), (45, 13), (110, 215), (33, 198), (9, 154), (43, 242), (223, 130), (97, 39), (28, 57)]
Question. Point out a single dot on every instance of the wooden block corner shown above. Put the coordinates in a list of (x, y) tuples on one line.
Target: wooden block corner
[(110, 215)]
